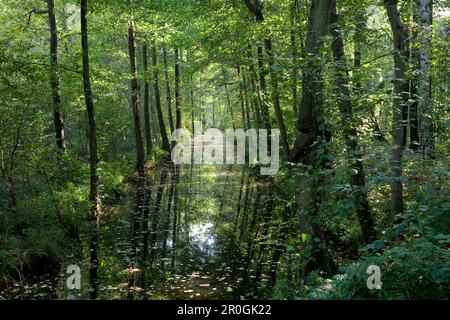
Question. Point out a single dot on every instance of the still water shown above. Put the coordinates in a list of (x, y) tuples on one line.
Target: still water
[(199, 232)]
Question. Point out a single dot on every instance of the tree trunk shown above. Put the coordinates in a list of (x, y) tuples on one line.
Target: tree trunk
[(54, 78), (400, 99), (140, 154), (94, 197), (229, 106), (147, 126), (246, 88), (312, 88), (241, 96), (264, 106), (255, 97), (274, 79), (357, 180), (413, 94), (308, 145), (425, 101), (162, 125), (294, 32), (168, 95), (177, 91)]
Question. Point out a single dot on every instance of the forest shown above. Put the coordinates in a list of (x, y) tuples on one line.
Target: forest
[(352, 97)]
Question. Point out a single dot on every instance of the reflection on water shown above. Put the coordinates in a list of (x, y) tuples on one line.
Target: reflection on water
[(202, 236), (191, 232)]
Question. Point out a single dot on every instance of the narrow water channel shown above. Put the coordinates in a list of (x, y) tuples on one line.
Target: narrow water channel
[(189, 232)]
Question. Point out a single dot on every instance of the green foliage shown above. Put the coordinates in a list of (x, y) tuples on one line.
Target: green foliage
[(417, 269), (44, 194)]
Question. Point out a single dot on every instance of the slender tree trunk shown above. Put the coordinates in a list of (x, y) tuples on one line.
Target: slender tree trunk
[(177, 91), (94, 198), (294, 33), (54, 78), (147, 126), (357, 180), (140, 154), (140, 151), (168, 95), (162, 125), (245, 86), (241, 96), (255, 93), (214, 115), (230, 107), (413, 94), (401, 98), (264, 106), (274, 79), (191, 96), (425, 101)]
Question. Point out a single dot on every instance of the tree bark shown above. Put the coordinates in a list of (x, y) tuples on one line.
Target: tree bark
[(246, 88), (54, 78), (309, 142), (400, 99), (94, 197), (274, 79), (140, 154), (264, 106), (308, 122), (241, 96), (425, 101), (147, 126), (168, 95), (413, 86), (254, 96), (229, 106), (294, 33), (177, 91), (162, 125)]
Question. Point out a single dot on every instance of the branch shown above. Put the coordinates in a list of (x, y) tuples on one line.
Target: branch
[(59, 67), (35, 11)]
